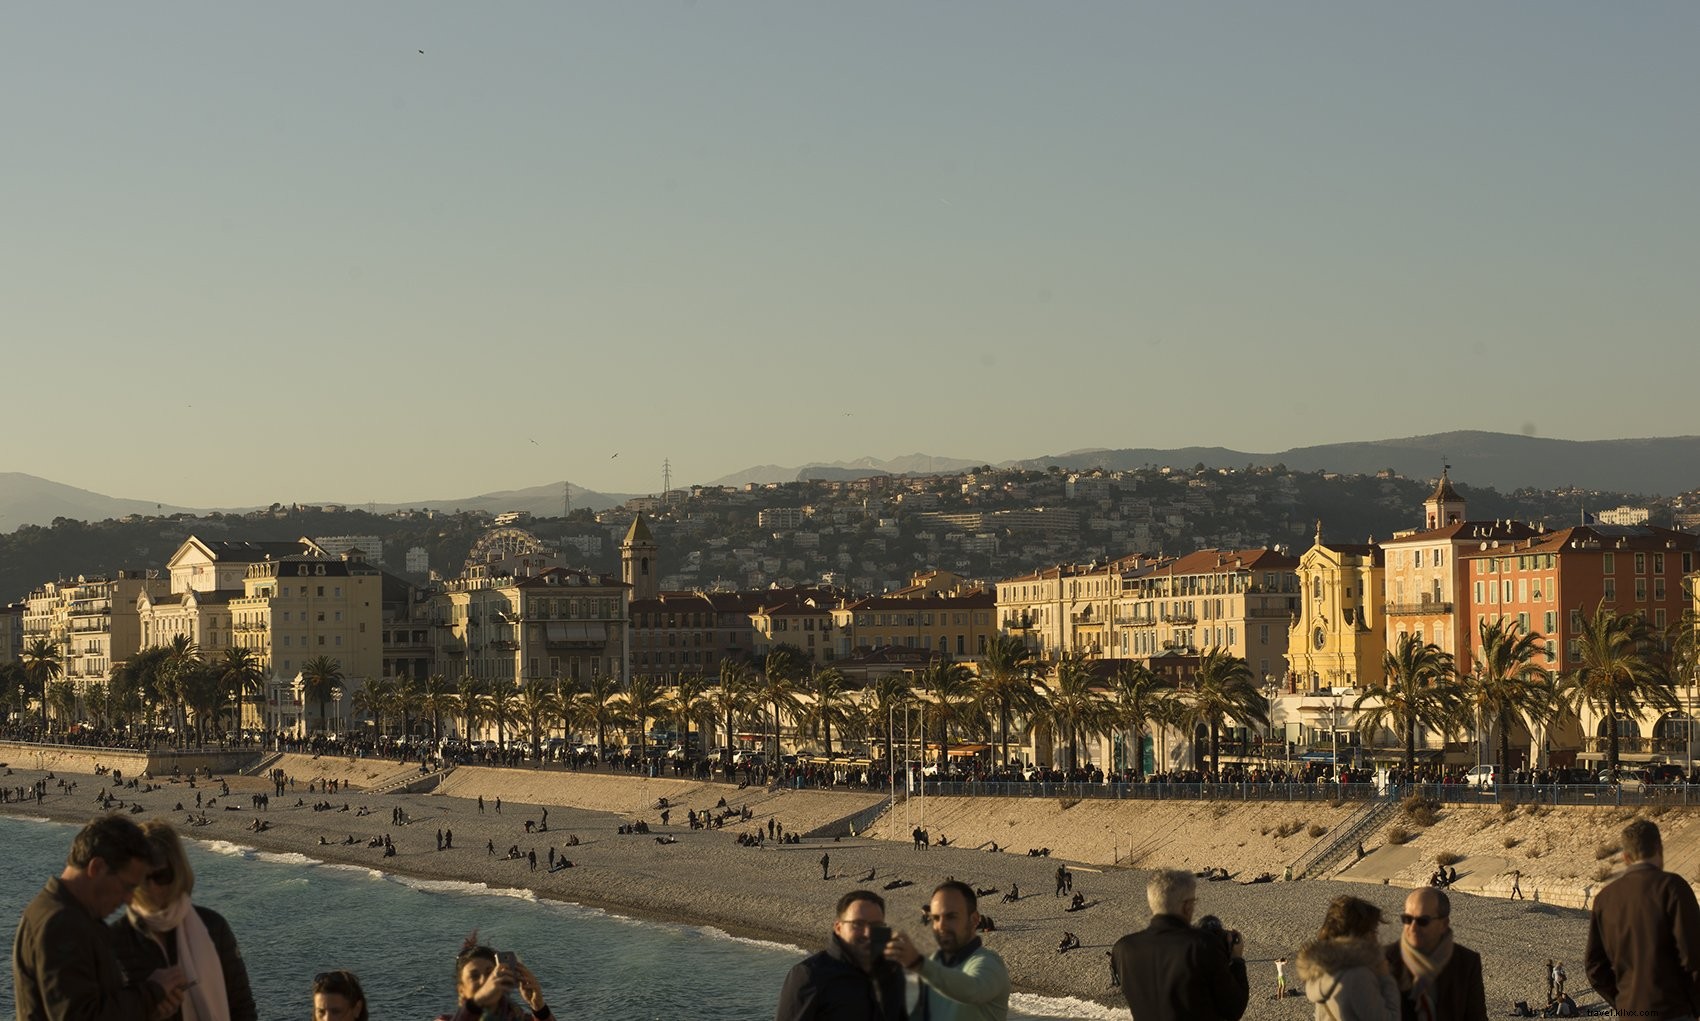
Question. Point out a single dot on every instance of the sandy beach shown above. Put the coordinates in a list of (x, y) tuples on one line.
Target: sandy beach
[(777, 892)]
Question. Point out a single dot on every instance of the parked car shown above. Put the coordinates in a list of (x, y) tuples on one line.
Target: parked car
[(1486, 777), (1628, 779)]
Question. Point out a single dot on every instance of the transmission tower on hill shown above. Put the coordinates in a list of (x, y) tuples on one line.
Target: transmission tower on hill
[(666, 480)]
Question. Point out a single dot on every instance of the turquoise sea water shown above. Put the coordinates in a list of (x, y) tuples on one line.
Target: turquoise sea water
[(295, 917)]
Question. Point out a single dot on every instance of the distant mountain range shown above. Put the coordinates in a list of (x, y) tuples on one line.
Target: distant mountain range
[(1653, 466), (1661, 466)]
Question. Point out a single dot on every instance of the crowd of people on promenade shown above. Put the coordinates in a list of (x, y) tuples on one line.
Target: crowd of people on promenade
[(165, 957)]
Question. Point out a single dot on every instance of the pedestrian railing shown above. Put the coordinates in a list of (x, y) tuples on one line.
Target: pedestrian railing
[(1452, 794), (1345, 838)]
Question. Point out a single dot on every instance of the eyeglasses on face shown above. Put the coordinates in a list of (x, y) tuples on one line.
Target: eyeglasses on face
[(1420, 921)]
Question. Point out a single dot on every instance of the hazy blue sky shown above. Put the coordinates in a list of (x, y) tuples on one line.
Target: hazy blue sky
[(259, 252)]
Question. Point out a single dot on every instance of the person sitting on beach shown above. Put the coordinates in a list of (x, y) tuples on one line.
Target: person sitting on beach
[(1078, 903), (1013, 895), (1069, 942), (985, 891), (484, 986)]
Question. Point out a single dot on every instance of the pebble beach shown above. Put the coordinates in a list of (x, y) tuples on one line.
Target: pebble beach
[(776, 892)]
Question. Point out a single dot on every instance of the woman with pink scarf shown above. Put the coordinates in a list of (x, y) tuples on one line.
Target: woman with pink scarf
[(162, 927)]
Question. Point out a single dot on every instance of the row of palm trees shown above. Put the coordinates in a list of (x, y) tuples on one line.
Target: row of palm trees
[(1622, 668)]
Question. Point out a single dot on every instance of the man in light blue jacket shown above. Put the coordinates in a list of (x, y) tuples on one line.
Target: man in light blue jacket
[(964, 980)]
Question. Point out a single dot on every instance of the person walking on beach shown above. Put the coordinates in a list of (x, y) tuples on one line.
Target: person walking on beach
[(1062, 880), (825, 861), (1437, 977), (448, 840), (480, 804), (63, 964), (1171, 971), (848, 979), (1643, 953), (1516, 884), (964, 979)]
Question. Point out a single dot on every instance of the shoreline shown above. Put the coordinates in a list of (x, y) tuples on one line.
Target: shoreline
[(776, 894)]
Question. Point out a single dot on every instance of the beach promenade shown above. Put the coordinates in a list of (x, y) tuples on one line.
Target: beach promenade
[(776, 892)]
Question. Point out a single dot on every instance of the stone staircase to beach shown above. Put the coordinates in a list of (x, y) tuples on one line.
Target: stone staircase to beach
[(1335, 845), (260, 765), (413, 783)]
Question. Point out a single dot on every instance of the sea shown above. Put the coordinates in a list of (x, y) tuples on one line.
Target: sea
[(295, 916)]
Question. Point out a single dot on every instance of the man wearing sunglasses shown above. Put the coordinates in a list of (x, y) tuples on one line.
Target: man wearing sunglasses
[(1439, 980), (1644, 934)]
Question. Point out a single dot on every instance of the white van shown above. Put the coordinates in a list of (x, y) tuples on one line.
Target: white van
[(1484, 776)]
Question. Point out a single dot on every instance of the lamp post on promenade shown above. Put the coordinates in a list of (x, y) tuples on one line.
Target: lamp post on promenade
[(1334, 730)]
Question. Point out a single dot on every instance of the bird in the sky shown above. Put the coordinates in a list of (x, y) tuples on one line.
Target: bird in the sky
[(613, 455), (421, 51), (535, 443)]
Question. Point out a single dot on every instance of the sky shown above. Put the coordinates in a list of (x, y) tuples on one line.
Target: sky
[(383, 251)]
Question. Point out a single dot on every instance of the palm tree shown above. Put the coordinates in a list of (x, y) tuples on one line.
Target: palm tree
[(1135, 694), (1007, 683), (182, 658), (136, 683), (777, 688), (733, 697), (1505, 684), (690, 699), (41, 666), (436, 697), (539, 703), (318, 676), (374, 699), (882, 699), (598, 702), (643, 700), (1224, 688), (504, 709), (241, 676), (204, 694), (1417, 691), (1073, 704), (471, 704), (1618, 675), (828, 690), (98, 698), (408, 696), (949, 685), (62, 695)]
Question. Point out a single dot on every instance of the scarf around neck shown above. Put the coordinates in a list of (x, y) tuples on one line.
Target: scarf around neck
[(206, 998), (1425, 969)]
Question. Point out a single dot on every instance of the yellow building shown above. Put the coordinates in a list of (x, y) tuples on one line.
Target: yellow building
[(1337, 639), (1240, 601), (959, 622), (1066, 608), (557, 623), (92, 621)]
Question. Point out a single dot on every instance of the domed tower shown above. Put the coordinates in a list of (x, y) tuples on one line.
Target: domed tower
[(638, 561), (1444, 506)]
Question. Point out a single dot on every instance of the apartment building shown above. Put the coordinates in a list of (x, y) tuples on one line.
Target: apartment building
[(506, 628), (959, 621), (93, 622), (1425, 578), (692, 632), (1068, 607), (1240, 601), (11, 632), (1337, 639)]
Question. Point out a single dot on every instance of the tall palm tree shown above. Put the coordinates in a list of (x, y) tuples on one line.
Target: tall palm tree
[(643, 700), (949, 687), (1225, 688), (1506, 685), (436, 697), (98, 698), (203, 694), (881, 700), (829, 692), (1007, 684), (41, 666), (599, 705), (504, 709), (471, 704), (136, 684), (319, 676), (62, 695), (777, 686), (1619, 674), (539, 704), (374, 699), (1073, 704), (1135, 694), (689, 700), (182, 659), (409, 693), (1418, 689), (732, 697), (241, 676)]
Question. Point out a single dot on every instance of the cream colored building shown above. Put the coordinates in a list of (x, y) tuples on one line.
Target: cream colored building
[(1066, 608), (1337, 639), (92, 621), (1240, 601), (558, 623)]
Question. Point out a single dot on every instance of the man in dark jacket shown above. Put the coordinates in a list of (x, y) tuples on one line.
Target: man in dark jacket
[(1644, 934), (63, 966), (1170, 971), (1439, 980), (849, 979)]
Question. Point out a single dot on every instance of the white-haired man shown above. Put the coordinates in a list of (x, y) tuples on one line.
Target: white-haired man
[(1171, 971)]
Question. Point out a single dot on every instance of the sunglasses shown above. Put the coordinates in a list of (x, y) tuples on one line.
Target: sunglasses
[(164, 877), (1419, 921)]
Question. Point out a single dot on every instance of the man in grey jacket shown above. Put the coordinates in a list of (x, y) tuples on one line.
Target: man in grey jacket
[(63, 967), (964, 980)]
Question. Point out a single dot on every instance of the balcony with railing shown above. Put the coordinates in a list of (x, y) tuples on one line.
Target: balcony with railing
[(1180, 618), (1417, 609)]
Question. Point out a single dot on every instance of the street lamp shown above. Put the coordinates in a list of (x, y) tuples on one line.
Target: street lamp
[(1334, 729)]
